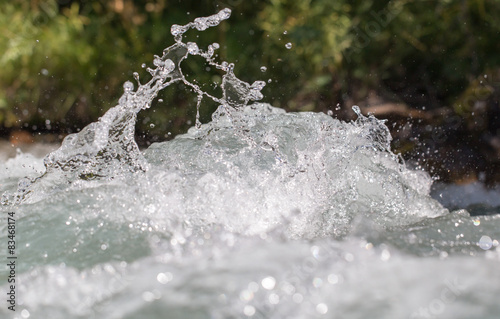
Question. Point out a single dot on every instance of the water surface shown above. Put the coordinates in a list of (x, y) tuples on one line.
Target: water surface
[(259, 213)]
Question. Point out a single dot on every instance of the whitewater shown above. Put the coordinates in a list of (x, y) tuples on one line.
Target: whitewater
[(258, 213)]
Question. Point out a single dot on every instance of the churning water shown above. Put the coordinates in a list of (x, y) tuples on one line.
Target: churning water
[(257, 214)]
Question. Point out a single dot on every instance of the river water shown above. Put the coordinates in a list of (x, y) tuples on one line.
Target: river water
[(257, 214)]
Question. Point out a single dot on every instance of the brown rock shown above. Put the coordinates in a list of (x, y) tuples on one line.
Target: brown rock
[(20, 137)]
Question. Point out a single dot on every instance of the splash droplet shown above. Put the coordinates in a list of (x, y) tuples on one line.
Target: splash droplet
[(128, 86), (224, 14), (288, 45), (268, 283), (485, 242), (25, 313), (169, 65), (263, 68), (192, 48), (164, 278), (249, 310), (321, 308), (177, 30), (157, 61)]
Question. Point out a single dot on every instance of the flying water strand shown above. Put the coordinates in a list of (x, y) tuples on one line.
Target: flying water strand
[(107, 148), (236, 93)]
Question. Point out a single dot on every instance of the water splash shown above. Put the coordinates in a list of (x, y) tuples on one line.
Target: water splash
[(330, 172), (107, 148), (308, 172), (333, 212)]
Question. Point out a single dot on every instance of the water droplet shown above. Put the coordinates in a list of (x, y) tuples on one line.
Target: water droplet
[(25, 313), (164, 277), (285, 32), (249, 310), (148, 296), (200, 24), (268, 283), (288, 45), (357, 110), (160, 100), (274, 299), (143, 65), (151, 125), (128, 86), (385, 255), (169, 65), (158, 61), (166, 68), (258, 85), (263, 68), (349, 257), (329, 112), (246, 295), (224, 14), (176, 30), (317, 282), (321, 308), (485, 242), (192, 48), (333, 279)]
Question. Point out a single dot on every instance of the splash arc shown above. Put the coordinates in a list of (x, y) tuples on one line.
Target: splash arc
[(107, 148)]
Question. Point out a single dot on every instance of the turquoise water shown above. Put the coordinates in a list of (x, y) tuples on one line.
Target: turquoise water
[(257, 214)]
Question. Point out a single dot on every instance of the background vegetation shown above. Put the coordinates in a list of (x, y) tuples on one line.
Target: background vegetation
[(432, 67)]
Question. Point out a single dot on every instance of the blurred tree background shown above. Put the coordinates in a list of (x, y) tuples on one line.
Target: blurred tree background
[(432, 67)]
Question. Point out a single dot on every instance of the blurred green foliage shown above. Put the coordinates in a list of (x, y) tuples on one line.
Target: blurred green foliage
[(63, 62)]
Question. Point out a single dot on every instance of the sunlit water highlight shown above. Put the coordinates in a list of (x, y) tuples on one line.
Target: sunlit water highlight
[(257, 214)]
